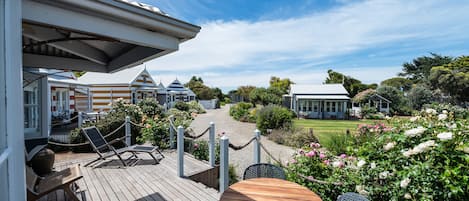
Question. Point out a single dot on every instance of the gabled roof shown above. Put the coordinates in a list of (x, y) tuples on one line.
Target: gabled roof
[(319, 89), (176, 86), (380, 97), (123, 77)]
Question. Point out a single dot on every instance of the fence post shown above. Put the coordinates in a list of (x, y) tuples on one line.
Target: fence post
[(211, 148), (80, 119), (257, 148), (128, 139), (180, 150), (224, 166), (171, 133)]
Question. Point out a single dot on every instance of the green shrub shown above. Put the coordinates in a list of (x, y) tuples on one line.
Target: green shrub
[(366, 110), (273, 117), (180, 105), (151, 108), (156, 131), (300, 137), (241, 112), (181, 118), (457, 111), (339, 143), (194, 106)]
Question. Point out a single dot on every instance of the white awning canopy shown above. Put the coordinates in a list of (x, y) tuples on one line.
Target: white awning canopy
[(97, 36), (323, 97)]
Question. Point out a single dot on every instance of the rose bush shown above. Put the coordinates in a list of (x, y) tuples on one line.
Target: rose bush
[(422, 158)]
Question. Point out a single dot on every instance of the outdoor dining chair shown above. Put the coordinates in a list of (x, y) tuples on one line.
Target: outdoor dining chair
[(263, 170), (351, 197), (106, 150)]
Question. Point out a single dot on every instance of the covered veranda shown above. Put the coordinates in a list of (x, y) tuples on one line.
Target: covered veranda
[(97, 36)]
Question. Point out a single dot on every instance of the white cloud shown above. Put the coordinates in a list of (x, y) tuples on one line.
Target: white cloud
[(288, 45)]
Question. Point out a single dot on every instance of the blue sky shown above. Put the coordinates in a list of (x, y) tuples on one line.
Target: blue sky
[(246, 42)]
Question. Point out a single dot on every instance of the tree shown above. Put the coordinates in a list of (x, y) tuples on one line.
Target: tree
[(352, 85), (399, 82), (418, 96), (264, 96), (419, 69), (282, 84), (244, 91), (452, 78), (399, 103), (202, 91), (217, 93)]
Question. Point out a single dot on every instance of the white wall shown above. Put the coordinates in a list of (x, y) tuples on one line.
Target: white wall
[(12, 170)]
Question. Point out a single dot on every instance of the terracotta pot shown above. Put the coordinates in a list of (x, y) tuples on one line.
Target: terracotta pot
[(43, 162)]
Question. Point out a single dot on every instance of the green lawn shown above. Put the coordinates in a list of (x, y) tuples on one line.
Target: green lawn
[(323, 129)]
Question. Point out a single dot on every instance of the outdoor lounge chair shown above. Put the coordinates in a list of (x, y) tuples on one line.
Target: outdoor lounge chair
[(106, 150), (263, 170), (39, 186)]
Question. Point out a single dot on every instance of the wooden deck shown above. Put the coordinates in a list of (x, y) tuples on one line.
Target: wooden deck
[(144, 181)]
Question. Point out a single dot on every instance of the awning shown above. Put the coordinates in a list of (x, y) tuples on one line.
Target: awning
[(323, 97), (98, 36)]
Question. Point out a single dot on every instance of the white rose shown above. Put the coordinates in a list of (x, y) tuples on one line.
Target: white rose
[(442, 117), (466, 150), (408, 153), (415, 131), (361, 163), (389, 146), (361, 190), (445, 111), (445, 136), (407, 196), (373, 165), (383, 175), (405, 183), (413, 119), (387, 117), (430, 111)]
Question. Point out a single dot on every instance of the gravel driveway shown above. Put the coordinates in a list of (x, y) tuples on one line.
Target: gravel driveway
[(239, 133)]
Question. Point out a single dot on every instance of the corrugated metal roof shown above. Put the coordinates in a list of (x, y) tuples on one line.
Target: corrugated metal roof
[(323, 89), (323, 97), (126, 76)]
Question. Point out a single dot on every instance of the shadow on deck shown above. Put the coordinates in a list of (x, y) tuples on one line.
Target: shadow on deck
[(144, 181)]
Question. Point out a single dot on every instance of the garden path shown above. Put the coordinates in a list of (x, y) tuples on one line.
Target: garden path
[(239, 133)]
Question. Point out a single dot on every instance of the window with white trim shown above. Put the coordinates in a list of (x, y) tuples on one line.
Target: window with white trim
[(32, 105)]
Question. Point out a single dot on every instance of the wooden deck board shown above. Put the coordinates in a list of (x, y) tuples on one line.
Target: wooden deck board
[(144, 181)]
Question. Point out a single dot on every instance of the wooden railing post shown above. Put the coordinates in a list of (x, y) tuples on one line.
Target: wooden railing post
[(224, 166), (80, 119), (128, 139), (171, 133), (257, 148), (180, 150), (211, 148)]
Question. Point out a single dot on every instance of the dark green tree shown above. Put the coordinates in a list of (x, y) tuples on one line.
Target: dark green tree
[(452, 78), (352, 85), (217, 93), (418, 96), (399, 103), (399, 82), (419, 69), (244, 91), (271, 95)]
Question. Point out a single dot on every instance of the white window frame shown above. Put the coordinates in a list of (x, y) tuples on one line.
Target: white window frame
[(43, 111)]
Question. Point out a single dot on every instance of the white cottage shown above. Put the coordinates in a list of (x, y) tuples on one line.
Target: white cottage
[(379, 102), (175, 92), (325, 101)]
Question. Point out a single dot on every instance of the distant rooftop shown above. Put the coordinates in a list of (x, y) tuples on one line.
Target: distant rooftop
[(319, 89), (126, 76)]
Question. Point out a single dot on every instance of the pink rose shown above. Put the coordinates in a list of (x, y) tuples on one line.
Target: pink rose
[(321, 156), (327, 162), (196, 146), (343, 156), (311, 154)]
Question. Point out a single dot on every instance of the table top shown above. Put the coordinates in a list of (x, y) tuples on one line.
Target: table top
[(268, 189)]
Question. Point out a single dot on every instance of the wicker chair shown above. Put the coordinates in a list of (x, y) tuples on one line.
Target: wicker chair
[(351, 197), (263, 170)]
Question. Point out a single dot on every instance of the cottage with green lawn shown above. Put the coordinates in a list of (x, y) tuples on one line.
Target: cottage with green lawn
[(324, 101)]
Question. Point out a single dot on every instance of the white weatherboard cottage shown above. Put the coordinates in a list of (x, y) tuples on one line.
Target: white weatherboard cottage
[(324, 101), (95, 36)]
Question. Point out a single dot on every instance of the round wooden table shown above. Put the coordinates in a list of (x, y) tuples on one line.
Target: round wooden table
[(268, 189)]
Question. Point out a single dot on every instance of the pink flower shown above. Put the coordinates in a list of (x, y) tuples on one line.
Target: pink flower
[(311, 154), (292, 161), (301, 152), (343, 155), (196, 146), (315, 145), (327, 162), (321, 156)]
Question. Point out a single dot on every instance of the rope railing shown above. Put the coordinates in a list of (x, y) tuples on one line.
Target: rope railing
[(85, 143), (309, 178), (136, 124), (236, 148), (186, 133)]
